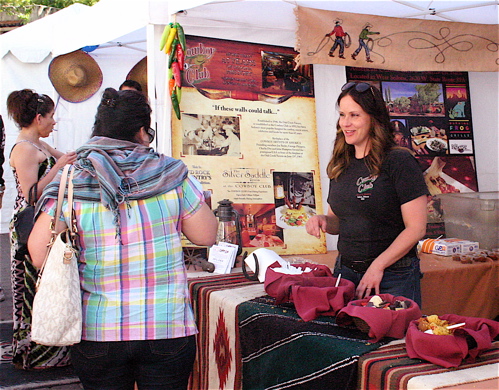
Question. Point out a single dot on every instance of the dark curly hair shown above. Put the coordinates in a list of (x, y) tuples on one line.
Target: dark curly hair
[(121, 114), (23, 106)]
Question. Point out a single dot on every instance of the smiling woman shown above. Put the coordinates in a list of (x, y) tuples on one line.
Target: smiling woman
[(377, 199)]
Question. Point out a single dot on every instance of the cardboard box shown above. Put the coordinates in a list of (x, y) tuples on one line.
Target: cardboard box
[(441, 247)]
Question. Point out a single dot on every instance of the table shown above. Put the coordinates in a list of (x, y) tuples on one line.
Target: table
[(389, 367), (450, 287), (246, 341)]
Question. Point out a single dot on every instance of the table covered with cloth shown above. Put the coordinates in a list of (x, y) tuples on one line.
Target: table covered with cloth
[(248, 342), (390, 368), (448, 286)]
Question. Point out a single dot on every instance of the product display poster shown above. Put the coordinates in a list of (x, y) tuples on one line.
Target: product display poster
[(431, 114), (247, 131)]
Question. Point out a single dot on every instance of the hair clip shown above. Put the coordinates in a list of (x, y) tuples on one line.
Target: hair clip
[(109, 102)]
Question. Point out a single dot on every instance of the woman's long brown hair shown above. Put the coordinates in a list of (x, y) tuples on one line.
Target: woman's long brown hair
[(381, 133)]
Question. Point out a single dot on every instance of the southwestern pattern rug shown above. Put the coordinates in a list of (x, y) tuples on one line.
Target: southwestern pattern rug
[(390, 368), (281, 351), (248, 342), (215, 300)]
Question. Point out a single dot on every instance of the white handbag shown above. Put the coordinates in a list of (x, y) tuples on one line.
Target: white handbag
[(57, 314)]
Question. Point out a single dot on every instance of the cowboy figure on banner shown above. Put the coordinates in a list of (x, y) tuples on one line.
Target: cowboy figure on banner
[(363, 37), (340, 36)]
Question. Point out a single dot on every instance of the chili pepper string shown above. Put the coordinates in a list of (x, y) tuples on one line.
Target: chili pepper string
[(173, 43)]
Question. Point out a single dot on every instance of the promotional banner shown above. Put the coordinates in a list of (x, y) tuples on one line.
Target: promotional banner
[(403, 44), (247, 132), (431, 113)]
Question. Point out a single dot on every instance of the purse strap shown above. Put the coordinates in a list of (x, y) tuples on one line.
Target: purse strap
[(60, 198)]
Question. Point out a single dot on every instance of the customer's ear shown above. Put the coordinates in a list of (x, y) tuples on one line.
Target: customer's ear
[(142, 137)]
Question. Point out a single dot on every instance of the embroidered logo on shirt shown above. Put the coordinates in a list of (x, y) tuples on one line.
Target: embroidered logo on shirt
[(364, 186)]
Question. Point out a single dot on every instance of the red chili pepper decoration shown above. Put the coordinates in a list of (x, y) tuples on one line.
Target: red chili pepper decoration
[(171, 85), (180, 55), (177, 75)]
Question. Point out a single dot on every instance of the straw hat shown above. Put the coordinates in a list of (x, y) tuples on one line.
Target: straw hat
[(139, 74), (75, 76)]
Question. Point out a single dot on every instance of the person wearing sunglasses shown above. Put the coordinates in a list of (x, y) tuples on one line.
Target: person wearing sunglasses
[(132, 206), (377, 199)]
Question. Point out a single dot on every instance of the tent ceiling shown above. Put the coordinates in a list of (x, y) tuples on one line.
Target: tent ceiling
[(256, 20), (252, 20), (269, 12)]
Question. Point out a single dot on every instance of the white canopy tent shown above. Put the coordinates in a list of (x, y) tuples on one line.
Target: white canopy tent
[(127, 30)]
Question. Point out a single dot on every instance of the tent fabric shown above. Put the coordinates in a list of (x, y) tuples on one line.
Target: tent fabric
[(35, 41), (73, 28)]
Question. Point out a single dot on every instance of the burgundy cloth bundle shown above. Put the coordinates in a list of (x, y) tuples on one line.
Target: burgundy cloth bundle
[(466, 342), (380, 322), (313, 293)]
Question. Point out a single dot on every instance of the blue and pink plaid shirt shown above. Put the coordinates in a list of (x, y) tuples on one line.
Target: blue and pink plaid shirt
[(136, 290)]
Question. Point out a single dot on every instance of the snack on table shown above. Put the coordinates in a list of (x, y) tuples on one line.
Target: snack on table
[(434, 323), (480, 256)]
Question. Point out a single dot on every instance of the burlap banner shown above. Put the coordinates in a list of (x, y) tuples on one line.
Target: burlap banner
[(341, 38)]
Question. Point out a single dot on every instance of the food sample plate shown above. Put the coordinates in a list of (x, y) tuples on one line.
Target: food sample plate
[(436, 145)]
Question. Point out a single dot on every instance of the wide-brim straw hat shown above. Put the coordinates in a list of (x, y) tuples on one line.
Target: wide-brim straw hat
[(139, 73), (76, 76)]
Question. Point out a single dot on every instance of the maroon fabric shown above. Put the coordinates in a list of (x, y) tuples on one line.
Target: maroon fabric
[(449, 351), (313, 293), (381, 322)]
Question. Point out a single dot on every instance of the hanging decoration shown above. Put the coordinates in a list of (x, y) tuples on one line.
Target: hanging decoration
[(173, 43), (400, 44)]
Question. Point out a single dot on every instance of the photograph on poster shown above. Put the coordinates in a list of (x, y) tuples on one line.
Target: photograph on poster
[(401, 133), (449, 174), (457, 105), (408, 99), (211, 135), (258, 225), (294, 198), (279, 74), (428, 135)]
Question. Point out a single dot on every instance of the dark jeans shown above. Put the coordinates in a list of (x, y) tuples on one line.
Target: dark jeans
[(153, 364), (404, 281)]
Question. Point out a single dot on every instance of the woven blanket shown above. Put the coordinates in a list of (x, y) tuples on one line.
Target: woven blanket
[(390, 368), (215, 300), (281, 351)]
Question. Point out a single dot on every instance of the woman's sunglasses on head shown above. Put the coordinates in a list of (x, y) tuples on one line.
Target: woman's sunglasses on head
[(359, 87)]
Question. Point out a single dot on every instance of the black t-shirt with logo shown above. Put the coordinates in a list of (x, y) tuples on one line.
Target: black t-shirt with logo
[(369, 207)]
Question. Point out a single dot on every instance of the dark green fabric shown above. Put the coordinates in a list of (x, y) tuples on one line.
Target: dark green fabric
[(279, 349)]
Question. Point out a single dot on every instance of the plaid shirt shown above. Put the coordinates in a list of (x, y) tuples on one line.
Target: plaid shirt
[(137, 290)]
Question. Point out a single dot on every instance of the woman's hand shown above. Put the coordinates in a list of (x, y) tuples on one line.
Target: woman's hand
[(316, 224), (67, 158), (369, 284)]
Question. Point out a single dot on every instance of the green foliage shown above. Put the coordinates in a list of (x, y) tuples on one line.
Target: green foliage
[(428, 93), (22, 8)]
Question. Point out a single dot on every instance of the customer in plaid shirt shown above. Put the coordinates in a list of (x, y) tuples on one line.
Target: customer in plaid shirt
[(132, 206)]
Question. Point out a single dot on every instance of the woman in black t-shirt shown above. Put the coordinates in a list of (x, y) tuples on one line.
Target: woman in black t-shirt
[(377, 199)]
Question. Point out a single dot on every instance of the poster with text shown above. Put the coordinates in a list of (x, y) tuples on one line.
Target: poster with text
[(431, 113), (247, 132)]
